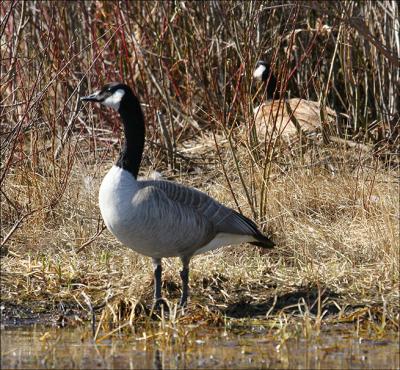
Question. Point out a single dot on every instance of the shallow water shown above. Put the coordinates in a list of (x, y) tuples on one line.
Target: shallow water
[(43, 347)]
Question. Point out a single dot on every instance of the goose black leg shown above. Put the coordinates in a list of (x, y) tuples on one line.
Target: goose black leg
[(185, 281), (157, 280)]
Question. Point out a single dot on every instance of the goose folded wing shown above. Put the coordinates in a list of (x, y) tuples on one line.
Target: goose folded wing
[(174, 225), (222, 219)]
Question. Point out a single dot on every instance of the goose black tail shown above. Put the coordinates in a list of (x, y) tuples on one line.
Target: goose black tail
[(263, 242)]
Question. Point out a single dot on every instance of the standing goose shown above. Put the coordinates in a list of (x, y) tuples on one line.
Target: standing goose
[(290, 117), (161, 218)]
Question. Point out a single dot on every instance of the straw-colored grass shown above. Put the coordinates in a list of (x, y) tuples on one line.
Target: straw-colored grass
[(336, 235)]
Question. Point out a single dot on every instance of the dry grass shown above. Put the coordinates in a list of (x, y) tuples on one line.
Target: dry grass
[(333, 210), (337, 235)]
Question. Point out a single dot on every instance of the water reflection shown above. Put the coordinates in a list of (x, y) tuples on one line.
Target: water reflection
[(157, 360), (43, 347)]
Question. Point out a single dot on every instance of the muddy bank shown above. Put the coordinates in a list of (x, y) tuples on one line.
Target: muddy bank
[(40, 313)]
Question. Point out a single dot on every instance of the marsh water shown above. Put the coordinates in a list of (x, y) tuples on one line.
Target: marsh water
[(38, 346)]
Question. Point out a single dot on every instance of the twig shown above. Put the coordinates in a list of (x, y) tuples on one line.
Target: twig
[(92, 238), (167, 139), (68, 130)]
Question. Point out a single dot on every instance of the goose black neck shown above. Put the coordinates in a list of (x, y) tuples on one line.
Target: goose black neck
[(134, 130), (269, 79), (271, 82)]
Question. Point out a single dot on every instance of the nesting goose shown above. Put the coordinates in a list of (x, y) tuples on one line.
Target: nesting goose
[(292, 117), (160, 218)]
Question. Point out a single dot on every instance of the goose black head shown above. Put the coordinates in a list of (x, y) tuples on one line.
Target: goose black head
[(263, 72), (110, 95)]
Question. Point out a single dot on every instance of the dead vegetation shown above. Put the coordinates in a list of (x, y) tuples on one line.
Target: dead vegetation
[(332, 208)]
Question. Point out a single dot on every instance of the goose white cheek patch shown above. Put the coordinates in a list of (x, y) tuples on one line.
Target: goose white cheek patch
[(259, 72), (114, 100)]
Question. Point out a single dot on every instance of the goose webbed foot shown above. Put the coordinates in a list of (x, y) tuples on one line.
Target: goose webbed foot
[(159, 304)]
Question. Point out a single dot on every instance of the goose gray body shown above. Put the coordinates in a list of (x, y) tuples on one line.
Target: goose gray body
[(159, 218), (164, 219)]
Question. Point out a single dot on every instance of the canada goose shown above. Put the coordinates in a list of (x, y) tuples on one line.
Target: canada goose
[(287, 118), (159, 218)]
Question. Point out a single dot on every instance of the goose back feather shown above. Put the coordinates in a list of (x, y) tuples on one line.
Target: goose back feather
[(274, 118)]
